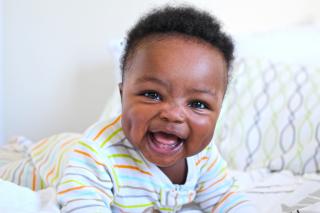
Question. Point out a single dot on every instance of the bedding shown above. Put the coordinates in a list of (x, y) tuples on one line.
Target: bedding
[(281, 191), (18, 199), (270, 115)]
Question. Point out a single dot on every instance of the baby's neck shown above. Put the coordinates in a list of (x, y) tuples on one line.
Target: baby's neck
[(177, 173)]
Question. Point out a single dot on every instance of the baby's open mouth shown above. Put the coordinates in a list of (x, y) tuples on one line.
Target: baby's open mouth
[(165, 143)]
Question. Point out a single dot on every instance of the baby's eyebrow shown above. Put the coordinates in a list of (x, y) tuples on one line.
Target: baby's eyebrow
[(152, 79), (206, 91), (166, 84)]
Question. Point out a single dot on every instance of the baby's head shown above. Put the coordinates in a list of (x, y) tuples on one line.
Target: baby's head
[(174, 76)]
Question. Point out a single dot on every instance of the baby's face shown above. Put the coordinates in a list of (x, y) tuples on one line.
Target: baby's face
[(171, 98)]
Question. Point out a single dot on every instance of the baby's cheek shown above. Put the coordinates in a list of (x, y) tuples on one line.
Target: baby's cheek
[(134, 122), (205, 124), (205, 129)]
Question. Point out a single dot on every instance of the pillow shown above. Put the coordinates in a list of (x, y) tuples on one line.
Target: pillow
[(271, 117), (291, 45), (113, 106)]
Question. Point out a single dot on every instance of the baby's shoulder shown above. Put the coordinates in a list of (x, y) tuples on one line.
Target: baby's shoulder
[(105, 133)]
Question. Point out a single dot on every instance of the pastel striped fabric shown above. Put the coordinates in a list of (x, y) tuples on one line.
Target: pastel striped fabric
[(43, 164), (103, 172)]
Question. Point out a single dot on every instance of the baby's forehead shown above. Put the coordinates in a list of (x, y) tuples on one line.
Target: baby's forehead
[(173, 41), (172, 37)]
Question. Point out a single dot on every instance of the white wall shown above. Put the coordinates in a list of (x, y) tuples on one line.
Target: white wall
[(1, 70), (59, 71)]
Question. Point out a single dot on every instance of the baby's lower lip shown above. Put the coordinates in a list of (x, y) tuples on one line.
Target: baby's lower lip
[(162, 148)]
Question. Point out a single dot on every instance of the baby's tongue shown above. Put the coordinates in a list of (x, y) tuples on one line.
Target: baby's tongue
[(164, 138)]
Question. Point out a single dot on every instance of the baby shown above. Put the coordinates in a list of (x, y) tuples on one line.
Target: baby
[(158, 155)]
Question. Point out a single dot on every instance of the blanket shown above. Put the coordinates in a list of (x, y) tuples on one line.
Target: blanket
[(18, 199)]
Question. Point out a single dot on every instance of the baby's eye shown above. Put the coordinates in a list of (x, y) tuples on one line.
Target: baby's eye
[(152, 95), (198, 105)]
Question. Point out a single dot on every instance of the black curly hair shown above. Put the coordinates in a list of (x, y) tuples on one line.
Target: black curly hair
[(184, 20)]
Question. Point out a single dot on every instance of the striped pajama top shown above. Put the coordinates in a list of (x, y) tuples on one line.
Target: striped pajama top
[(102, 172)]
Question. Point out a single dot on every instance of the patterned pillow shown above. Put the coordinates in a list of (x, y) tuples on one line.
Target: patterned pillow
[(271, 117)]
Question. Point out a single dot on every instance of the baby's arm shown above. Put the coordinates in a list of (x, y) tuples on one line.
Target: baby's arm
[(86, 184), (217, 191)]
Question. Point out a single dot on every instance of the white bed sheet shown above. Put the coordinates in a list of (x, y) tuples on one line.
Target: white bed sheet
[(281, 191)]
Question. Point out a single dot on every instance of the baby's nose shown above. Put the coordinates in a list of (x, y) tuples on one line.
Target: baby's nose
[(173, 113)]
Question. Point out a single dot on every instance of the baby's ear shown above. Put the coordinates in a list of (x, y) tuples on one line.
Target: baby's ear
[(120, 89)]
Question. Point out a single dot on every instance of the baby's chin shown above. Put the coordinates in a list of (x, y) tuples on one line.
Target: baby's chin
[(165, 162), (161, 163)]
